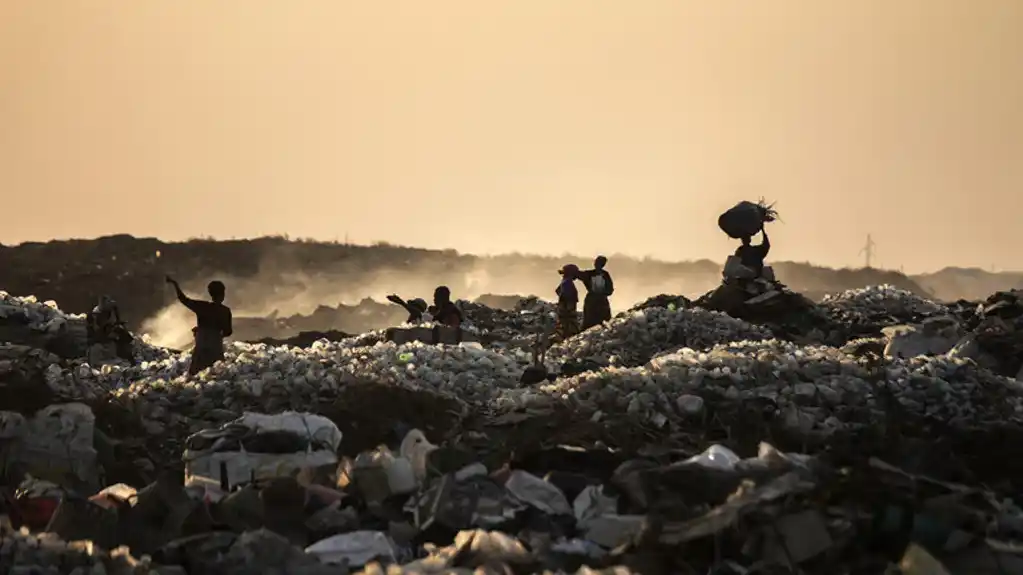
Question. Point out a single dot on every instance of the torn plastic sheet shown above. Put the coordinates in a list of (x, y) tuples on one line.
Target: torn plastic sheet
[(355, 549), (541, 494)]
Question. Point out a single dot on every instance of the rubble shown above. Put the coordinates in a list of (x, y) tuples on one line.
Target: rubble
[(632, 338), (996, 337), (876, 307), (767, 302), (672, 439), (43, 325)]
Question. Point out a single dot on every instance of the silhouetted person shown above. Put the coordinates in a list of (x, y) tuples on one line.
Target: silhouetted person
[(415, 308), (106, 334), (102, 320), (443, 310), (212, 325), (567, 323), (599, 286), (753, 256)]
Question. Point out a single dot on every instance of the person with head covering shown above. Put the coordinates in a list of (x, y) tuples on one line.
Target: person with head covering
[(599, 286), (567, 323), (212, 325), (415, 308), (443, 310), (752, 256)]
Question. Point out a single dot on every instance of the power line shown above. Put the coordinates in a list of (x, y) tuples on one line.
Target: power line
[(868, 250)]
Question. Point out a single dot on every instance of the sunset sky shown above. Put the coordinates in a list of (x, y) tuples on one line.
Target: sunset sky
[(531, 125)]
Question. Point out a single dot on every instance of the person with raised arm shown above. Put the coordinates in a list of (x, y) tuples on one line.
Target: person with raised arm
[(212, 325)]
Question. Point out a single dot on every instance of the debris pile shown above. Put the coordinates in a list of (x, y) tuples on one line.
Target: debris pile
[(770, 303), (870, 309), (43, 317), (632, 338), (935, 335), (815, 389), (663, 300), (515, 327), (43, 325), (362, 455), (996, 339)]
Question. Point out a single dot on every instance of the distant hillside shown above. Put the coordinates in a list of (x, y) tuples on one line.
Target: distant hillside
[(968, 283), (274, 274)]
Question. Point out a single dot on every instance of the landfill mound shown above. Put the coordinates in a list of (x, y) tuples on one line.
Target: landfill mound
[(799, 437), (294, 277)]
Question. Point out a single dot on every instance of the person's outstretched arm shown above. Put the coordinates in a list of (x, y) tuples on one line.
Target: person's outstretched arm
[(184, 299), (397, 300), (766, 244)]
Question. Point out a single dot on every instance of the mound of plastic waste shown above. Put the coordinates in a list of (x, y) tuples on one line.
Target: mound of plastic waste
[(770, 303), (812, 388), (44, 325), (995, 340), (880, 306), (44, 317), (663, 300), (634, 337), (366, 455)]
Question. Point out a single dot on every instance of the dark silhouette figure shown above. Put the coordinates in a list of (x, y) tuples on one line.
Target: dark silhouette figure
[(567, 322), (415, 308), (106, 332), (753, 256), (102, 321), (599, 286), (443, 310), (213, 324)]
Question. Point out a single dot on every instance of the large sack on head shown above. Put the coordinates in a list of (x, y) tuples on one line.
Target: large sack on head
[(746, 219)]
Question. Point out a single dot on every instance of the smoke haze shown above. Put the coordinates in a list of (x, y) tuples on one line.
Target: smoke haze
[(283, 288), (285, 279)]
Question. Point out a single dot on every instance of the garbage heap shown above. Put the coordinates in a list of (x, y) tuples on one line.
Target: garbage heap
[(989, 333), (868, 310), (270, 461), (42, 325), (996, 337), (632, 338), (765, 301), (515, 327), (268, 494)]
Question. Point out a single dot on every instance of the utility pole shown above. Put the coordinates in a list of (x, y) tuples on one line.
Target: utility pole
[(868, 250)]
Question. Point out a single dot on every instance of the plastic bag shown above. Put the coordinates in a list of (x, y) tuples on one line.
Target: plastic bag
[(746, 219)]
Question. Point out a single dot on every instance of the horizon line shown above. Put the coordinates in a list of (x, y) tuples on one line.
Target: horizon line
[(388, 244)]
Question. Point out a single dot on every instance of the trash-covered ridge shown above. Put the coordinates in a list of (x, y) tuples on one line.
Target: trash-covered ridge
[(666, 366)]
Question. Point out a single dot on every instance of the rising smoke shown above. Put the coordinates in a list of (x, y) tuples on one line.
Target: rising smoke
[(297, 278), (285, 286)]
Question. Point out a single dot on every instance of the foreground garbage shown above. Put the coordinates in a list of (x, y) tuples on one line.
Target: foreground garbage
[(750, 432)]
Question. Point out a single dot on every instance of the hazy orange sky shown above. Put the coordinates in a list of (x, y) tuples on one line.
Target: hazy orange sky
[(531, 125)]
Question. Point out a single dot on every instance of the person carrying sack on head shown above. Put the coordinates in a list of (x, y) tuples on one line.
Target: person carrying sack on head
[(753, 256)]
